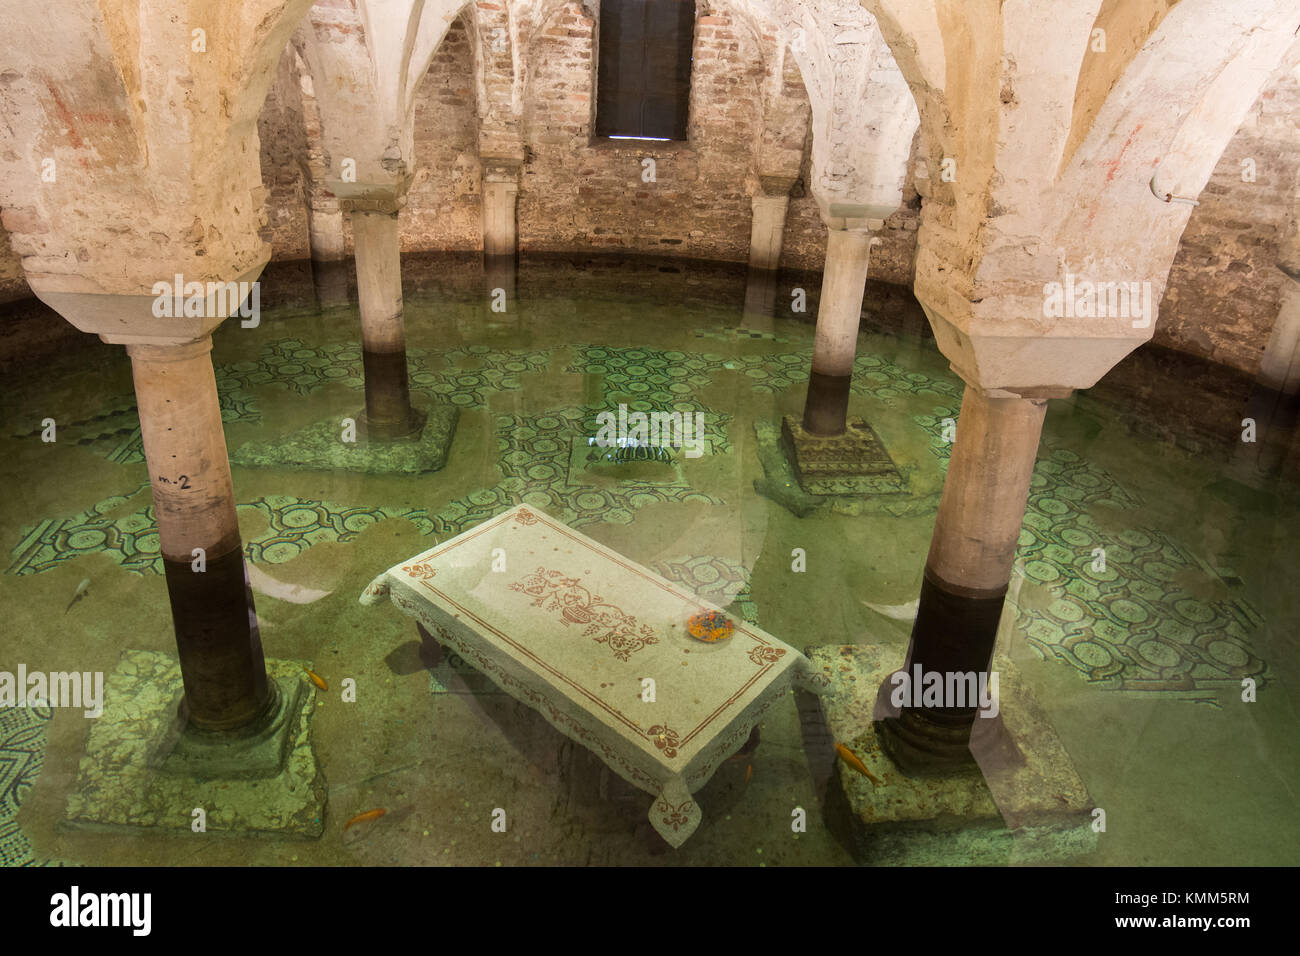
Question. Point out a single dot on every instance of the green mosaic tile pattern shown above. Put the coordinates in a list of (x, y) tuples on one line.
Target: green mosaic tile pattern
[(665, 377), (302, 369), (657, 375), (131, 541), (497, 370), (299, 368), (535, 461), (878, 378), (22, 755), (932, 424), (1132, 624), (115, 432), (295, 524), (720, 581)]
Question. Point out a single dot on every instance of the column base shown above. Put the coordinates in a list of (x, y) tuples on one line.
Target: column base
[(143, 771), (378, 432), (918, 493), (922, 746), (257, 750), (992, 812), (826, 409), (852, 463), (320, 447)]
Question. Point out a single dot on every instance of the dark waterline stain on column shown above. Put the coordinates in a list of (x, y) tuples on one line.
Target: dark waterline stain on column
[(826, 409), (388, 394), (218, 641)]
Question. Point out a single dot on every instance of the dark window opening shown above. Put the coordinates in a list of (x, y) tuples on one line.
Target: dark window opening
[(643, 82)]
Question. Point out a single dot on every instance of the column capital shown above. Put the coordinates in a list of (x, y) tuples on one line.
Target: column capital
[(776, 186), (1023, 355), (383, 205), (177, 310), (373, 195), (1033, 393), (853, 217), (501, 165), (169, 351)]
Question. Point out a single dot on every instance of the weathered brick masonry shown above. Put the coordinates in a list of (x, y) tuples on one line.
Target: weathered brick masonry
[(1224, 288)]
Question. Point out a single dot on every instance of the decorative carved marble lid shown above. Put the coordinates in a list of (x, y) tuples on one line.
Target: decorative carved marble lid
[(593, 625)]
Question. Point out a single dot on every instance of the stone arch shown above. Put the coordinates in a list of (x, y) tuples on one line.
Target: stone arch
[(1125, 26)]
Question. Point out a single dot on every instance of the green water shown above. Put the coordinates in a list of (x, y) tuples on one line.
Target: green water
[(1139, 667)]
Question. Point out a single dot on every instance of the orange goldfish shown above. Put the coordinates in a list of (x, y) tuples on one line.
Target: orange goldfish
[(850, 758), (364, 817), (749, 771), (316, 679)]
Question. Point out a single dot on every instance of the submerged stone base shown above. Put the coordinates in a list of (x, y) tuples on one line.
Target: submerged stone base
[(320, 447), (864, 495), (854, 463), (1034, 812), (125, 780)]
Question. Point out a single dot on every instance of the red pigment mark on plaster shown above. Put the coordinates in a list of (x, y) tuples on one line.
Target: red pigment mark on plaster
[(1113, 164), (65, 115)]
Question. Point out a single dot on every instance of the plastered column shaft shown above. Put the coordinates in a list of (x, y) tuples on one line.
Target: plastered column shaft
[(984, 494), (499, 198), (760, 300), (325, 230), (839, 310), (767, 232), (220, 650), (968, 568), (383, 338)]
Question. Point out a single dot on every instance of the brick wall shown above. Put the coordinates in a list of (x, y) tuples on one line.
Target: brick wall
[(284, 156), (1224, 288), (576, 195), (444, 208)]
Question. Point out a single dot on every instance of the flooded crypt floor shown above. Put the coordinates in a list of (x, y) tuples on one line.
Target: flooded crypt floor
[(1136, 662)]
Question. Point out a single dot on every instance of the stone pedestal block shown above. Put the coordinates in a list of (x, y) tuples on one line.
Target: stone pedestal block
[(134, 777), (852, 463), (1030, 811)]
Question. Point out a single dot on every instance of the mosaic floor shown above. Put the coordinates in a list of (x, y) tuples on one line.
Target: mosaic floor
[(1131, 626), (22, 755), (1164, 615)]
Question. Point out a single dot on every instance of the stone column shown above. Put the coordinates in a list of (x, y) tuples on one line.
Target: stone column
[(759, 310), (325, 227), (500, 287), (767, 231), (967, 572), (212, 609), (1279, 369), (329, 267), (1273, 402), (500, 192), (844, 280), (383, 338), (766, 235)]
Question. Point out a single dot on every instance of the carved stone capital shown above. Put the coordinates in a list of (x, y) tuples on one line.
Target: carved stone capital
[(776, 185)]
